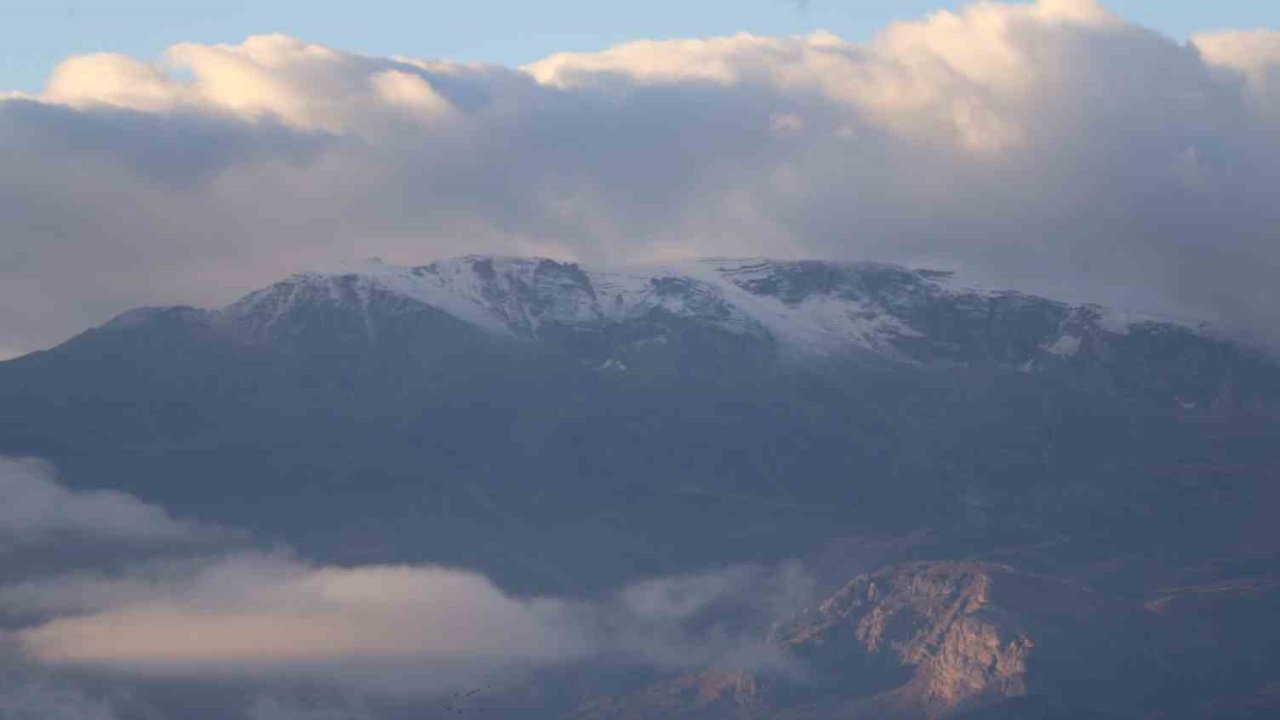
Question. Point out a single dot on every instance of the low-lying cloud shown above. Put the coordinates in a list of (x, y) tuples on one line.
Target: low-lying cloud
[(272, 614), (1049, 145), (263, 611), (35, 507), (176, 599)]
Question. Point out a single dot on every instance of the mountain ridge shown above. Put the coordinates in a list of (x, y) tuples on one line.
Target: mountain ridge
[(975, 411), (565, 432), (804, 308)]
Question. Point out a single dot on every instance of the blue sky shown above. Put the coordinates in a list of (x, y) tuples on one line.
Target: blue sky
[(35, 36)]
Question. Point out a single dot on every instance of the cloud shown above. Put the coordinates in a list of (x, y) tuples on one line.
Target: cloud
[(952, 80), (431, 628), (301, 85), (1049, 146), (710, 619), (1254, 54), (268, 611), (178, 599), (36, 507)]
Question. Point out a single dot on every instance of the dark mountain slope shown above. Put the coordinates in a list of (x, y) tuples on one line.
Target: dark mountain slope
[(562, 428)]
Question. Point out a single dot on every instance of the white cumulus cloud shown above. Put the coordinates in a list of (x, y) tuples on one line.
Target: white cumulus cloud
[(268, 77), (1049, 146)]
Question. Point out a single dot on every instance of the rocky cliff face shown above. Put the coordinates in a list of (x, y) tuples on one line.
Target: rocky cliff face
[(959, 638), (987, 641), (920, 640)]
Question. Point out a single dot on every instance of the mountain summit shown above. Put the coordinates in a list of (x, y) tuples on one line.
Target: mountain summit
[(789, 309)]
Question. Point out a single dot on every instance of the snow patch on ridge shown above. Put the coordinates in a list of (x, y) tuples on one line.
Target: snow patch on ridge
[(1065, 346), (819, 323), (810, 308)]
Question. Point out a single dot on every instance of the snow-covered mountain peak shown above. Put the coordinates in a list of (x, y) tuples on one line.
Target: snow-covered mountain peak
[(800, 307)]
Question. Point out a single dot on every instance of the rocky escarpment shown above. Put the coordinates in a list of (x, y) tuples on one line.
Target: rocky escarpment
[(962, 634), (920, 640)]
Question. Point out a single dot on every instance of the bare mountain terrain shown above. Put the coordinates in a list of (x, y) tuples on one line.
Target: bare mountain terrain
[(1077, 502)]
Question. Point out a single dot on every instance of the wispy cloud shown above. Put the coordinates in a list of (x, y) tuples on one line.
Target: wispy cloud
[(178, 600), (263, 611), (36, 507), (273, 615)]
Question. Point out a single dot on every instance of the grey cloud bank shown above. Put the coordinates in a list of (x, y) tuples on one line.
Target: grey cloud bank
[(1049, 146)]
